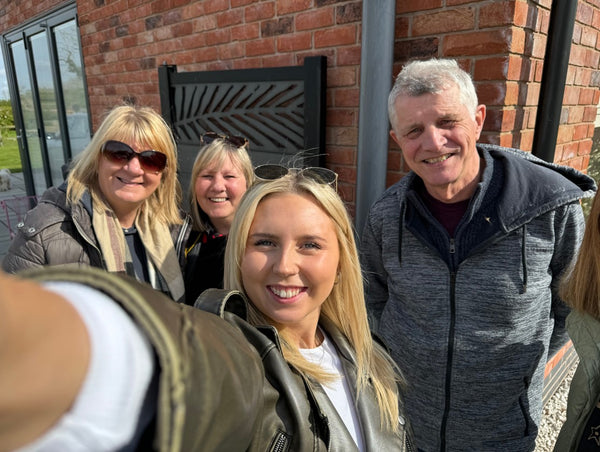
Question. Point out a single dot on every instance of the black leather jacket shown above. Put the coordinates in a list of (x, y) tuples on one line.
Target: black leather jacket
[(293, 417)]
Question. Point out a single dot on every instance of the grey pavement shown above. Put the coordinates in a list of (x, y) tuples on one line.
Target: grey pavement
[(14, 198)]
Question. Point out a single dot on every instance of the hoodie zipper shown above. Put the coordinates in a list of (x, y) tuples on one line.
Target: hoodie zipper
[(448, 383)]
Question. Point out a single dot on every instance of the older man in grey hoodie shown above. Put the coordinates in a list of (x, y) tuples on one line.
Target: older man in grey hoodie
[(463, 257)]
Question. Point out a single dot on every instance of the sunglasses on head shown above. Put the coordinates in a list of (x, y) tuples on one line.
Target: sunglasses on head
[(118, 152), (318, 174), (238, 142)]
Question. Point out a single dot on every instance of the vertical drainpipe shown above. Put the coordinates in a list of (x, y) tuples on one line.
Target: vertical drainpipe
[(554, 76), (376, 65)]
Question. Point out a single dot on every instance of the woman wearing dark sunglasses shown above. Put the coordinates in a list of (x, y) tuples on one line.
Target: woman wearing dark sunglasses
[(118, 208), (220, 176)]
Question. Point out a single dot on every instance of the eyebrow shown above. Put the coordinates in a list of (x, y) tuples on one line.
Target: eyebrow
[(261, 234), (450, 116), (266, 235)]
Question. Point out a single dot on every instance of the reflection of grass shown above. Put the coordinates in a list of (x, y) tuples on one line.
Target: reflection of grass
[(9, 152)]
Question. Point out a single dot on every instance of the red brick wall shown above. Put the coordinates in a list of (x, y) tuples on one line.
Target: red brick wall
[(13, 13), (503, 45), (123, 44)]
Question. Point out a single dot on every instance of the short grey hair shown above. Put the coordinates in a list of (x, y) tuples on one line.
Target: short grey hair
[(431, 77)]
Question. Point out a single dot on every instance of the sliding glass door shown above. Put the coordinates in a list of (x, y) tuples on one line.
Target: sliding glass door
[(48, 94)]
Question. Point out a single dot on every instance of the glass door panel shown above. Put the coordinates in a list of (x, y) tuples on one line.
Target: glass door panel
[(49, 109), (71, 73), (29, 133), (48, 94)]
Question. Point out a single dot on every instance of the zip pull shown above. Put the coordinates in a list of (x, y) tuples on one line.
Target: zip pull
[(281, 442), (452, 247)]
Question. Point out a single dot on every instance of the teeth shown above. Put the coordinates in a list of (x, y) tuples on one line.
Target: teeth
[(285, 293), (128, 182), (439, 159), (218, 199)]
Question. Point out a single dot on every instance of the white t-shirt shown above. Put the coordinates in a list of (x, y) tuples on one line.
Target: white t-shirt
[(104, 415), (338, 390)]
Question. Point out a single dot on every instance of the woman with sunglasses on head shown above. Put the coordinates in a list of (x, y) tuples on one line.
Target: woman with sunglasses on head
[(220, 176), (298, 298), (118, 208)]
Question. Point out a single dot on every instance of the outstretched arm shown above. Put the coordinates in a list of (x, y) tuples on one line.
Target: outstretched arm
[(44, 355), (90, 356)]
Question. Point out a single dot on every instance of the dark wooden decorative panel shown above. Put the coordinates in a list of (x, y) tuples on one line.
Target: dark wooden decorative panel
[(280, 110)]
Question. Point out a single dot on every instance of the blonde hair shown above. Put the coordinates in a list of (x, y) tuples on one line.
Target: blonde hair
[(581, 287), (214, 155), (345, 305), (131, 124)]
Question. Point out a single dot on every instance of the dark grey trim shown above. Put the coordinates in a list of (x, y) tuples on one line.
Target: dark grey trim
[(375, 83)]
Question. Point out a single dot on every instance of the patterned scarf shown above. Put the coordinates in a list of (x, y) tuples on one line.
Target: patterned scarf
[(157, 241)]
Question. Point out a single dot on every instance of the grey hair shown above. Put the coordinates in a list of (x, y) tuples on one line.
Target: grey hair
[(431, 77)]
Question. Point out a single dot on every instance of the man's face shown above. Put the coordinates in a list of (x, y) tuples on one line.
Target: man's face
[(437, 136)]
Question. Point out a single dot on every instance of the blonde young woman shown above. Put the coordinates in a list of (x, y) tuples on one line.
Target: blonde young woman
[(118, 209), (292, 256), (581, 290), (221, 174)]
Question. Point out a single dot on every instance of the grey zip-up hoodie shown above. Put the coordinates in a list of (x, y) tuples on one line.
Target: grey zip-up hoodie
[(470, 319)]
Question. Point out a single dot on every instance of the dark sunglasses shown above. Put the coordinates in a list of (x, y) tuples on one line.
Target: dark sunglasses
[(238, 142), (318, 174), (118, 152)]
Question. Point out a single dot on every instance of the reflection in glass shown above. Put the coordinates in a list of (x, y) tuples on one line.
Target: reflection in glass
[(71, 73), (46, 92), (29, 135), (4, 94)]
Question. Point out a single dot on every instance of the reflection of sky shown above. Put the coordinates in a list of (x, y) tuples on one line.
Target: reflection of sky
[(3, 80), (42, 61)]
